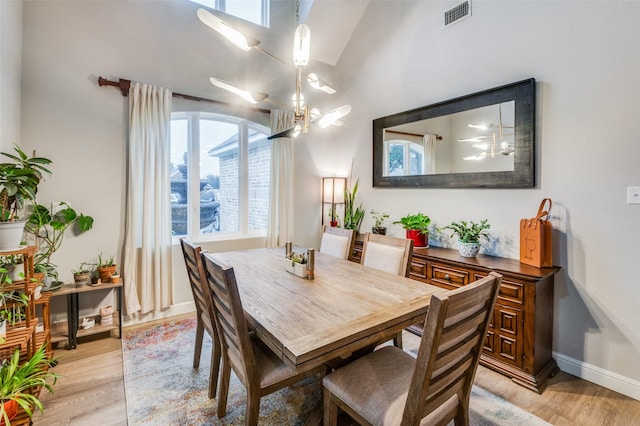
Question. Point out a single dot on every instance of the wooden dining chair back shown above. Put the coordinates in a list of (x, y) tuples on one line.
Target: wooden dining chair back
[(386, 253), (389, 254), (435, 387), (204, 312), (256, 366), (337, 242)]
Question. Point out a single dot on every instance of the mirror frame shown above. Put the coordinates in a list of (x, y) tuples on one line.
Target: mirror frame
[(523, 175)]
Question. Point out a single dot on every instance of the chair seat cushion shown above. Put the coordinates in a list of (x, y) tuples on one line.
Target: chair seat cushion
[(271, 368), (358, 384)]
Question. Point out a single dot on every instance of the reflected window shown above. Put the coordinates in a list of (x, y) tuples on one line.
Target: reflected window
[(403, 158)]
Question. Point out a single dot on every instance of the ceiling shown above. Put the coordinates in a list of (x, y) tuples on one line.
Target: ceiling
[(332, 23)]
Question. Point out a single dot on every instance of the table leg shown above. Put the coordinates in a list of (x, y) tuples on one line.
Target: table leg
[(70, 321), (76, 319), (120, 312)]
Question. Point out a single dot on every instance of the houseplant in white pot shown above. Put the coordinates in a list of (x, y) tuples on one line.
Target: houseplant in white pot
[(19, 181), (469, 235)]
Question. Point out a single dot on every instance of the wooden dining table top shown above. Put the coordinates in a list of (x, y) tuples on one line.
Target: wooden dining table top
[(346, 306)]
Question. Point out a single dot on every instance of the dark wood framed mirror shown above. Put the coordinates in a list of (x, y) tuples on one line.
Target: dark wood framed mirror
[(486, 139)]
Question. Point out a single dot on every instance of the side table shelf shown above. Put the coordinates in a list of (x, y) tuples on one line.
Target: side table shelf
[(73, 292)]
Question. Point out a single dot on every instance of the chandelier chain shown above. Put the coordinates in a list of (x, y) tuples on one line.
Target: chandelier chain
[(297, 12)]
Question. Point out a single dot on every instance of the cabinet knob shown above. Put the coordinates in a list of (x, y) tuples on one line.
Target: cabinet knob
[(447, 277)]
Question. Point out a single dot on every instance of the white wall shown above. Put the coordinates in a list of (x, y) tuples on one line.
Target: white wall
[(583, 56), (10, 67)]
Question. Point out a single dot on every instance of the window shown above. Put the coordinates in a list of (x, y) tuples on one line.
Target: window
[(256, 11), (403, 158), (220, 173)]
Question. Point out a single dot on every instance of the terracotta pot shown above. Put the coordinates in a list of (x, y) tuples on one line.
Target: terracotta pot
[(11, 408), (105, 273), (419, 239)]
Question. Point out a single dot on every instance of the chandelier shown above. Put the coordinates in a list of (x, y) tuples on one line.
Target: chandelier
[(304, 116)]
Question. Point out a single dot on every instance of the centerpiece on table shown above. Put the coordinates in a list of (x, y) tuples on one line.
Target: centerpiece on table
[(300, 264)]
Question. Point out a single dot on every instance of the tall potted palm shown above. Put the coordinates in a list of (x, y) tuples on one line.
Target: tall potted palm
[(19, 181)]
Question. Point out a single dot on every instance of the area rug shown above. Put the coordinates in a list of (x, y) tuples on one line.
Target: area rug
[(163, 388)]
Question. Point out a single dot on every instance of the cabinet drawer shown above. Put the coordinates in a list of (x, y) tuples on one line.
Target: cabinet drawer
[(418, 269), (510, 289), (444, 274)]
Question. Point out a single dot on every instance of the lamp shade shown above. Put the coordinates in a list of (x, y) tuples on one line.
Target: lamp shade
[(333, 189)]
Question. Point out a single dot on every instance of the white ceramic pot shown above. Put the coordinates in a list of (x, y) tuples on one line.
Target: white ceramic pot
[(11, 234), (468, 249)]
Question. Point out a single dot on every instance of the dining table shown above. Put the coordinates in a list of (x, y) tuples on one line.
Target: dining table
[(344, 308)]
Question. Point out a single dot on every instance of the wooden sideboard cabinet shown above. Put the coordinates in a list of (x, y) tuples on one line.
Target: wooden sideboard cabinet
[(518, 342)]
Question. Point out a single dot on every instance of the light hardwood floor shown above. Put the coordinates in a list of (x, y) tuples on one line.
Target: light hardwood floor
[(91, 392)]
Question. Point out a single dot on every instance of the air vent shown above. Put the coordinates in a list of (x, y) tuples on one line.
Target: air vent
[(457, 13)]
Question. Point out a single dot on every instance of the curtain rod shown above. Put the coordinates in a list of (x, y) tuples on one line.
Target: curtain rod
[(124, 86), (438, 137)]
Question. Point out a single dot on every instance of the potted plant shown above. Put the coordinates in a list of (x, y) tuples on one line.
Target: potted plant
[(48, 225), (352, 215), (334, 220), (379, 220), (106, 267), (469, 235), (115, 277), (83, 273), (417, 227), (297, 264), (18, 382), (12, 304), (19, 181)]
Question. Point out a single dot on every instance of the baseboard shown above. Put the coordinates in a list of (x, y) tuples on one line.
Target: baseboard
[(179, 309), (599, 376)]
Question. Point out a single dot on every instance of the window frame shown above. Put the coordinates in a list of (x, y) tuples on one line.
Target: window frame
[(193, 119)]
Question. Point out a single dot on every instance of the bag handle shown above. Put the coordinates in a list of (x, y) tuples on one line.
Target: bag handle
[(541, 211)]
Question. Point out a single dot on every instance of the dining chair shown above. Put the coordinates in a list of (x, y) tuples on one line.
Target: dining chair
[(389, 254), (391, 387), (337, 242), (386, 253), (204, 312), (256, 366)]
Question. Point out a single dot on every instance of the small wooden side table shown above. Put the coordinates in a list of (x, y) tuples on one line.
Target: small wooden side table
[(73, 291)]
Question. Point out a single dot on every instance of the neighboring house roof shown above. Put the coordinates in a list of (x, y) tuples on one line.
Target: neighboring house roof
[(230, 146)]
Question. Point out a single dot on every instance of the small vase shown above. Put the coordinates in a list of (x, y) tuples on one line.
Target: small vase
[(381, 230), (468, 249)]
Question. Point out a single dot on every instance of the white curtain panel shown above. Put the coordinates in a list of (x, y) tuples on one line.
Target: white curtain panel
[(147, 251), (429, 164), (280, 229)]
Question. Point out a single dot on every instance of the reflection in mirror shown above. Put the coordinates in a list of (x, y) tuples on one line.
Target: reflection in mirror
[(486, 139), (477, 140)]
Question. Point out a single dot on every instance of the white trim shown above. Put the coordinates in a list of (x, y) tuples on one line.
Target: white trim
[(174, 310), (599, 376)]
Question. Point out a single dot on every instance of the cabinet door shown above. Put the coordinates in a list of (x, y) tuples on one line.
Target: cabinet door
[(488, 345), (508, 339)]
